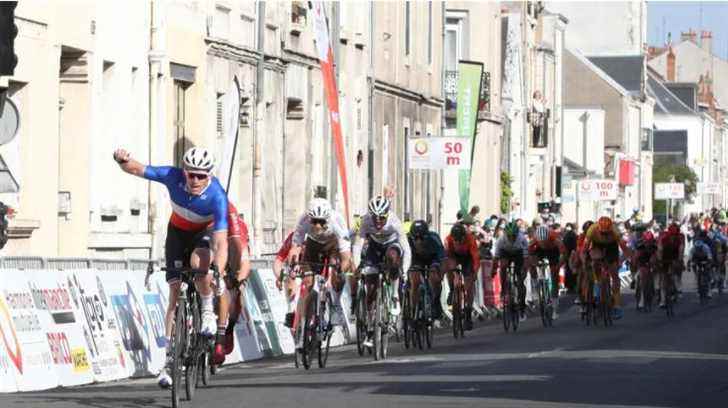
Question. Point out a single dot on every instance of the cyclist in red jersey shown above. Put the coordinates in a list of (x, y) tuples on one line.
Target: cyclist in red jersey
[(239, 266), (278, 265), (461, 248), (547, 244), (670, 253)]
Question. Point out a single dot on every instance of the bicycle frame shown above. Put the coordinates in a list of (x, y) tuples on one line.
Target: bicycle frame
[(544, 288)]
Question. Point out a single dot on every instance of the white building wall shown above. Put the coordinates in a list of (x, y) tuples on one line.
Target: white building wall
[(585, 126), (604, 28)]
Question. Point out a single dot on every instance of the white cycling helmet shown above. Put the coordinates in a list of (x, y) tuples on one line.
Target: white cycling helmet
[(319, 209), (542, 233), (198, 158), (379, 206)]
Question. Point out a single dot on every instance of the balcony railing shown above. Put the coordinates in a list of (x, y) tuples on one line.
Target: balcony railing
[(451, 87)]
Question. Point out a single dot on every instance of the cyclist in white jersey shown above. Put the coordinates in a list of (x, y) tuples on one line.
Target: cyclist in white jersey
[(385, 242), (317, 228)]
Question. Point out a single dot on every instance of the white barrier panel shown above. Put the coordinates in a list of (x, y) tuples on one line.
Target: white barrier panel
[(24, 339), (278, 306), (64, 332), (93, 307), (247, 346), (252, 304), (134, 307)]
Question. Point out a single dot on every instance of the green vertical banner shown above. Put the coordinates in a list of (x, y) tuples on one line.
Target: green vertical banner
[(469, 74)]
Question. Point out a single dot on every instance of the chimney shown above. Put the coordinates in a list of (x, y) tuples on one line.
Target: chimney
[(670, 64), (706, 41), (689, 36)]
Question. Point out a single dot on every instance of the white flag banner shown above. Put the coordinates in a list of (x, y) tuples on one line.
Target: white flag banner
[(230, 121)]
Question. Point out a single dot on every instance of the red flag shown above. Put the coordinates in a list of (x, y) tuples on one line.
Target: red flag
[(326, 59)]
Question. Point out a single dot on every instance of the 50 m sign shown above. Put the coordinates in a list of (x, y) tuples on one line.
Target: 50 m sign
[(439, 153)]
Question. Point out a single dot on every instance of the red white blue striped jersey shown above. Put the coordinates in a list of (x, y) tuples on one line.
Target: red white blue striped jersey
[(192, 212)]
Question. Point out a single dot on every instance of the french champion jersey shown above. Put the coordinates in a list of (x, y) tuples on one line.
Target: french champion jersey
[(191, 212)]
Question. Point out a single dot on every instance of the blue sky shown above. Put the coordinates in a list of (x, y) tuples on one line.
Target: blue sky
[(670, 16)]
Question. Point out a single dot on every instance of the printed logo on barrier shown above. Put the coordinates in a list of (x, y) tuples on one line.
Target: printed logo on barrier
[(60, 349), (57, 301), (156, 313), (132, 324), (7, 329), (421, 147), (80, 360)]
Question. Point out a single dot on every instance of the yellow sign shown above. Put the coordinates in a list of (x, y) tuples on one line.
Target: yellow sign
[(80, 360)]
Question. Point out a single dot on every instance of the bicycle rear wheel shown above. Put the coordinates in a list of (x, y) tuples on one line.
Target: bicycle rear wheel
[(179, 345), (607, 301)]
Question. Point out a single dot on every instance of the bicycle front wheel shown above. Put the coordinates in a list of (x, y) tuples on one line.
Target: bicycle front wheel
[(324, 342), (191, 373), (179, 346)]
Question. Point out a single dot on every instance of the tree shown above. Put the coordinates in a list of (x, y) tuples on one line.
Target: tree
[(506, 192), (680, 173)]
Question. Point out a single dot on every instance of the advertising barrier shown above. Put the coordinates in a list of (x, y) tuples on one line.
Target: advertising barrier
[(64, 332)]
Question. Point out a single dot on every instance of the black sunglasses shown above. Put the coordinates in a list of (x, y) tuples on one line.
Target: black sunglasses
[(197, 176), (318, 222)]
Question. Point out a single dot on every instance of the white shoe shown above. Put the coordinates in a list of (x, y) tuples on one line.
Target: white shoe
[(368, 342), (577, 301), (554, 315), (209, 324), (522, 318), (164, 380), (395, 310)]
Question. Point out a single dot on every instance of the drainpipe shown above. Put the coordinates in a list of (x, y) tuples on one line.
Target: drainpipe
[(441, 173), (153, 109), (335, 27), (258, 129), (525, 98), (371, 80)]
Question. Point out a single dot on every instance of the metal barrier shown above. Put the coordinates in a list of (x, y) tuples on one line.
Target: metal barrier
[(23, 262), (68, 263), (37, 262)]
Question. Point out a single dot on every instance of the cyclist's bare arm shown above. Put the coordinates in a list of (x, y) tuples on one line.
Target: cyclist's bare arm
[(128, 164), (220, 248)]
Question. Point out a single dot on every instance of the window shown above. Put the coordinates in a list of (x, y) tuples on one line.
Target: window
[(407, 28), (453, 44), (180, 107), (221, 22), (298, 12)]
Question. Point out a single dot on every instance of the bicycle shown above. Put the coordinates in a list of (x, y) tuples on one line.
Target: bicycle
[(668, 283), (603, 293), (543, 288), (417, 320), (458, 303), (378, 322), (703, 273), (509, 300), (646, 285), (314, 331), (191, 350)]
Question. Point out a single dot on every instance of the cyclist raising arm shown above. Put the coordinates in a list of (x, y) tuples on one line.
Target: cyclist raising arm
[(197, 199)]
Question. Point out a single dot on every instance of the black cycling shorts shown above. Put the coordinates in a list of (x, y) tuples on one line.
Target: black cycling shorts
[(178, 248), (552, 254), (611, 251), (466, 262), (375, 252)]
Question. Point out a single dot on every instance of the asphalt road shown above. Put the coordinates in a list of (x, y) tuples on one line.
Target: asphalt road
[(644, 360)]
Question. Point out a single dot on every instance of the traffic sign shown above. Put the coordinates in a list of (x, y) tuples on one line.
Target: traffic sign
[(669, 191)]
